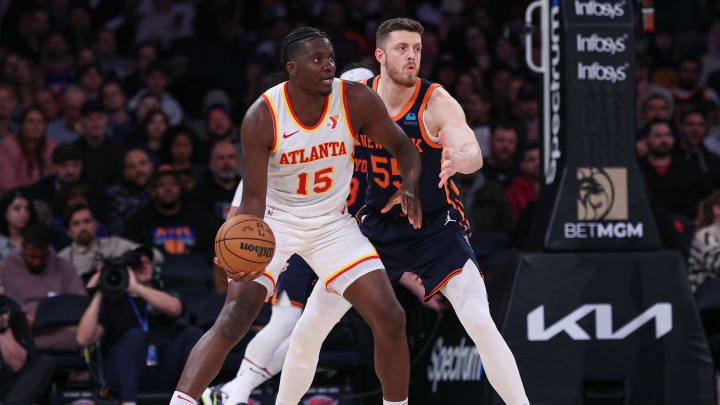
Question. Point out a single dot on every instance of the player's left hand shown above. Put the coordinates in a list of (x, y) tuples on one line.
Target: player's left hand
[(449, 158), (409, 199)]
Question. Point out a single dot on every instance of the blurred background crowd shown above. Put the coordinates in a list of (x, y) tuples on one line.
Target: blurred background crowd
[(119, 127)]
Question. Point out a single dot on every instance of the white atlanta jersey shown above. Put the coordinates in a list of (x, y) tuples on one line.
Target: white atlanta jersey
[(310, 167)]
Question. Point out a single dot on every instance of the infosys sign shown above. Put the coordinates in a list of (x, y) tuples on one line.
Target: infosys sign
[(599, 9), (602, 206)]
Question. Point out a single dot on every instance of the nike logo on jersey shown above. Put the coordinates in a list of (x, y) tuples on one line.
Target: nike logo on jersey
[(362, 218), (448, 219), (286, 135)]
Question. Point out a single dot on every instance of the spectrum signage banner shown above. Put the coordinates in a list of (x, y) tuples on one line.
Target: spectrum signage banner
[(593, 197)]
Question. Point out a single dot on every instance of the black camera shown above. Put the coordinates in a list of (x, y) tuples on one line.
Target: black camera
[(114, 276)]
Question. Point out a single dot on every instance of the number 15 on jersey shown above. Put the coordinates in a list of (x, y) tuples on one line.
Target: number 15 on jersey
[(322, 182)]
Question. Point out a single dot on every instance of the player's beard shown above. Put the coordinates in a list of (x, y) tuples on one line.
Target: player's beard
[(402, 76)]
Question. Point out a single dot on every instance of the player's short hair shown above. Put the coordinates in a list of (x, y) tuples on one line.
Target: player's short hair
[(396, 24), (291, 43)]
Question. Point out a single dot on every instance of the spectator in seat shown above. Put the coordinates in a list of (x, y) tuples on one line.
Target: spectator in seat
[(130, 195), (89, 79), (147, 103), (120, 121), (24, 376), (477, 111), (219, 126), (524, 189), (656, 104), (46, 100), (141, 330), (694, 129), (152, 133), (155, 83), (171, 224), (146, 54), (17, 213), (672, 183), (35, 273), (8, 104), (25, 158), (65, 129), (67, 168), (179, 150), (704, 260), (106, 51), (102, 154), (688, 90), (216, 191), (88, 250), (501, 165)]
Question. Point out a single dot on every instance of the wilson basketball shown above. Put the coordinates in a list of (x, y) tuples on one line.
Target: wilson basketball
[(244, 243)]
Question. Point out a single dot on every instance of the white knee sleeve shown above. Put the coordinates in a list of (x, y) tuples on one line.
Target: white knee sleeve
[(466, 292), (322, 311), (264, 354), (263, 346)]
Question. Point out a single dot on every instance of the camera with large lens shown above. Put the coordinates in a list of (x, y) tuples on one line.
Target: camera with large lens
[(114, 277)]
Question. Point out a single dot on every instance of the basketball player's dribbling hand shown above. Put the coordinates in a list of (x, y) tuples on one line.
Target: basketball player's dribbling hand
[(408, 196), (449, 159), (239, 275)]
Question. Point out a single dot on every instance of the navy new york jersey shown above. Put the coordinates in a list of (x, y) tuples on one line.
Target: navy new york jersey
[(356, 198), (383, 174)]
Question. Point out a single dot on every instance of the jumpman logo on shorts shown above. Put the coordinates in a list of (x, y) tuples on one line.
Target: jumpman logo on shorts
[(448, 219)]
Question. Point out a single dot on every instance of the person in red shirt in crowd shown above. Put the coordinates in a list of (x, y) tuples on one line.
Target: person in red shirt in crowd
[(525, 188)]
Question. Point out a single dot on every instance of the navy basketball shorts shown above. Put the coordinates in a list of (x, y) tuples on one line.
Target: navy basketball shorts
[(297, 281), (436, 252)]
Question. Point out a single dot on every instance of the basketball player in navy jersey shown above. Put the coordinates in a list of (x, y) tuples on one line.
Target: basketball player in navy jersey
[(438, 252), (299, 183)]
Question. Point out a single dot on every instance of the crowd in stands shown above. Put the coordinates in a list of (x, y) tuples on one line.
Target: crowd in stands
[(119, 128)]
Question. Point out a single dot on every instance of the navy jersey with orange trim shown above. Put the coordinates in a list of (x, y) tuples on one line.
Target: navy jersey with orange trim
[(358, 184), (383, 174)]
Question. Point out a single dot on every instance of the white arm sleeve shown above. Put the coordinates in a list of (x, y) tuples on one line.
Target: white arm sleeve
[(238, 195)]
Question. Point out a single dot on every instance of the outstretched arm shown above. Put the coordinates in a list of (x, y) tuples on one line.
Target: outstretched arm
[(461, 152), (369, 116)]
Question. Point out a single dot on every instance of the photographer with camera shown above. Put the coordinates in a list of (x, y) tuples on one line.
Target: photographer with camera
[(24, 376), (137, 320)]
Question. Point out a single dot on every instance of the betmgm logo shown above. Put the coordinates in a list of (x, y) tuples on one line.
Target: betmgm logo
[(602, 206)]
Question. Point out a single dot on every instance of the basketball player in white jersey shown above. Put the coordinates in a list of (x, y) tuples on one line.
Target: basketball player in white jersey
[(265, 353), (298, 140), (447, 146)]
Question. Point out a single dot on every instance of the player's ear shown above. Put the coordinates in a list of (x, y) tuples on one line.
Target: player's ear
[(290, 67), (379, 55)]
